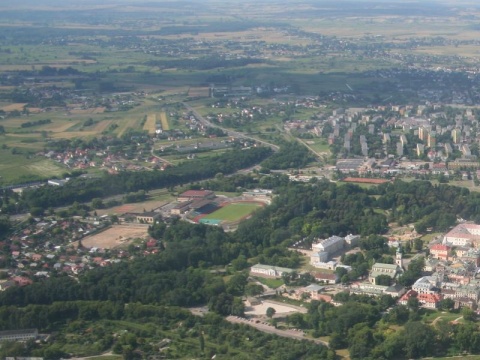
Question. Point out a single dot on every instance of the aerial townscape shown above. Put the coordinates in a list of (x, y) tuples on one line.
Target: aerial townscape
[(239, 180)]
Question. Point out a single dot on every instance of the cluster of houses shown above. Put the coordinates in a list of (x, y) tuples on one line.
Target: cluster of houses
[(112, 161), (451, 272), (453, 268), (45, 247)]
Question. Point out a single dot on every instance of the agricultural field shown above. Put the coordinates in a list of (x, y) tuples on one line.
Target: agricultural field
[(234, 211), (150, 123), (164, 121)]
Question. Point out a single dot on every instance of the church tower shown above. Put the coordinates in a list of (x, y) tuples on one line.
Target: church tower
[(399, 257)]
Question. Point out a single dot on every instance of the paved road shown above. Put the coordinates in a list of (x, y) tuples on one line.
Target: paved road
[(159, 158), (229, 132), (298, 335)]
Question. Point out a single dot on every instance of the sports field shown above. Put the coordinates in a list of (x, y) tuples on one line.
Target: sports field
[(234, 211)]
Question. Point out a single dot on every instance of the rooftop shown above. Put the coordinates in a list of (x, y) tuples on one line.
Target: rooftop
[(268, 267), (196, 193)]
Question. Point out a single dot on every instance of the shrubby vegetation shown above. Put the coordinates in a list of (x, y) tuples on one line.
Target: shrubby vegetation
[(291, 155), (139, 327)]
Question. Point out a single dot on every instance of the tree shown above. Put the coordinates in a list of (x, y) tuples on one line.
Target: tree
[(418, 244), (361, 342), (236, 284), (384, 280), (270, 312), (419, 339), (97, 203), (253, 289), (413, 303), (240, 263), (468, 314), (447, 304)]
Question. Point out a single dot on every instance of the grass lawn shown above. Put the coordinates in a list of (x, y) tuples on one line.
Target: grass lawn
[(233, 212), (319, 145), (429, 237), (15, 168), (271, 283), (430, 315)]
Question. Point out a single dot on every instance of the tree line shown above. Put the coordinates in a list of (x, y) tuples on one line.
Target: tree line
[(86, 189)]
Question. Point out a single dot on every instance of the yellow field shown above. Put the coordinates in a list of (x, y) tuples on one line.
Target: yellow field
[(56, 128), (150, 123), (15, 106), (164, 120)]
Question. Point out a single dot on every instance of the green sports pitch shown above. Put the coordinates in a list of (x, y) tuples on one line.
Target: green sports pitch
[(233, 211)]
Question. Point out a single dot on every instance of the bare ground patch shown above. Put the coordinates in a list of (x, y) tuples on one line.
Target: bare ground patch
[(116, 236), (133, 208)]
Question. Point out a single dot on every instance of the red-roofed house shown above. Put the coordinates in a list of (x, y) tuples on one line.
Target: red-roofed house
[(440, 251), (326, 278), (429, 301), (404, 299), (22, 281)]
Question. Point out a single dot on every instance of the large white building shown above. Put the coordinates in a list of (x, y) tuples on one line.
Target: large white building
[(426, 285), (330, 245), (463, 235)]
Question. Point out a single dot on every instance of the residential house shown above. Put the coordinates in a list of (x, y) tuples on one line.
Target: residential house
[(429, 301), (440, 251), (326, 278)]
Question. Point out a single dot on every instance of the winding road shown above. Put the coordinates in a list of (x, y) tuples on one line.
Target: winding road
[(229, 132)]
